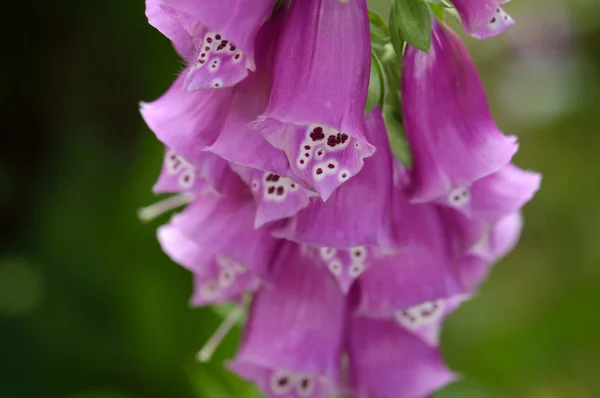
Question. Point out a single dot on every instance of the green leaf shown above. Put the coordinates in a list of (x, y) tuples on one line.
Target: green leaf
[(376, 93), (410, 21)]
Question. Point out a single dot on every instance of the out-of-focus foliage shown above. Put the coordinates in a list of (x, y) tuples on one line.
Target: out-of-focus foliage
[(91, 308)]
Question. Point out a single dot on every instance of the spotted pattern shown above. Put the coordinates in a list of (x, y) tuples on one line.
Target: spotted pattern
[(498, 24), (283, 382), (424, 314), (346, 264), (219, 56), (459, 197), (178, 166), (227, 273), (275, 187), (316, 150)]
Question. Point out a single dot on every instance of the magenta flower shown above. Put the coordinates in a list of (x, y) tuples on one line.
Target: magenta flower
[(453, 138), (295, 203), (216, 38), (483, 18), (320, 82)]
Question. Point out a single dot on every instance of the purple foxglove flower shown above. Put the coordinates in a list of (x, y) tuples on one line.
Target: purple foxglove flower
[(224, 250), (483, 18), (221, 34), (453, 138), (217, 278), (357, 213), (423, 269), (292, 344), (320, 83), (388, 361), (178, 175)]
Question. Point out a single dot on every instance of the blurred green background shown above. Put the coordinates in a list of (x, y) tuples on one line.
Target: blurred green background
[(91, 308)]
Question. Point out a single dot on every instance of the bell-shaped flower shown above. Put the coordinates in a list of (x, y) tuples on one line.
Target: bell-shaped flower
[(453, 138), (422, 268), (483, 18), (216, 239), (292, 344), (217, 277), (388, 361), (320, 82), (216, 38), (357, 213)]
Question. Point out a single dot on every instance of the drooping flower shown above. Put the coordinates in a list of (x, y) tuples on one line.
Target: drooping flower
[(388, 361), (216, 38), (357, 213), (483, 18), (422, 267), (453, 138), (320, 82), (292, 344), (294, 199)]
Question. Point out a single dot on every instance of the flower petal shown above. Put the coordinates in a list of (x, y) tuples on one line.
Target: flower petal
[(388, 361), (276, 197), (358, 212), (226, 226), (321, 76), (495, 196), (170, 27), (187, 122), (498, 24), (217, 278), (453, 138), (290, 334)]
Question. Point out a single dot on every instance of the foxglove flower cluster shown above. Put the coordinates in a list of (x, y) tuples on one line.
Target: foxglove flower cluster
[(352, 260)]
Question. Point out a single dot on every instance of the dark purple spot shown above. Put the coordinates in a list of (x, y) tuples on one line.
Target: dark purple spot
[(271, 190), (430, 311), (357, 253), (319, 171), (201, 61), (232, 47), (173, 157), (317, 134), (237, 56), (456, 198), (280, 191), (331, 166), (506, 17), (307, 155), (493, 20), (344, 138), (218, 37), (207, 48), (305, 383), (209, 40), (186, 178), (331, 141), (307, 147), (301, 161), (497, 10), (283, 381), (320, 153), (293, 185), (344, 175)]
